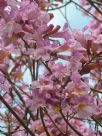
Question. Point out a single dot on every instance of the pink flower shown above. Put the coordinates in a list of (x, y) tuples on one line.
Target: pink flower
[(3, 4)]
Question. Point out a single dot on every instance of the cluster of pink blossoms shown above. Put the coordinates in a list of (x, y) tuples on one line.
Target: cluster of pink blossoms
[(66, 99)]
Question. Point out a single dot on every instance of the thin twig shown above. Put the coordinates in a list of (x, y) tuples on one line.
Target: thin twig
[(53, 121), (92, 4), (42, 119), (76, 131), (86, 11), (16, 116), (60, 6)]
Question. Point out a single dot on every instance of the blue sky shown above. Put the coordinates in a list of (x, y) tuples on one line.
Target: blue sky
[(74, 16)]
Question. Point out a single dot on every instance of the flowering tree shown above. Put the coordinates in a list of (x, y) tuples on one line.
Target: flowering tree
[(66, 99)]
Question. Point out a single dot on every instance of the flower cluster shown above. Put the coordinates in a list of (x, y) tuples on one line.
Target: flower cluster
[(66, 99)]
